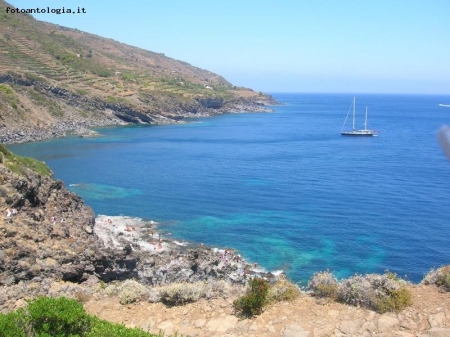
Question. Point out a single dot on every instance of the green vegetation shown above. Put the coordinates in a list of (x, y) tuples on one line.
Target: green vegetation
[(9, 95), (382, 293), (58, 317), (253, 302), (35, 77), (81, 92), (117, 100), (61, 317), (19, 164)]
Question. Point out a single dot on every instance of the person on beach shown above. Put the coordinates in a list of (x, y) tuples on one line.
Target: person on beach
[(14, 211), (8, 213)]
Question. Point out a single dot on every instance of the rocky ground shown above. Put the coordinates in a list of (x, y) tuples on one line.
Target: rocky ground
[(429, 316)]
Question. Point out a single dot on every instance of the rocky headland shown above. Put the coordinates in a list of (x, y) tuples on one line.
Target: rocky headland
[(56, 81)]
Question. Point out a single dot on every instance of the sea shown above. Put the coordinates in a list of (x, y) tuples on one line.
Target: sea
[(283, 189)]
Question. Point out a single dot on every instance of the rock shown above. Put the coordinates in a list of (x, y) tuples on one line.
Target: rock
[(387, 323), (403, 334), (295, 330), (436, 320), (439, 332), (350, 327), (200, 323), (88, 229), (166, 327), (324, 331)]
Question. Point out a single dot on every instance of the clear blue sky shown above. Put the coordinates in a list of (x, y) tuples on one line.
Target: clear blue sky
[(383, 46)]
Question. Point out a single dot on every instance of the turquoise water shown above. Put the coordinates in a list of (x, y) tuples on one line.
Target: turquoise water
[(283, 188)]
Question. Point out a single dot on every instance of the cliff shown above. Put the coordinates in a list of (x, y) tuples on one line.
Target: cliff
[(54, 80)]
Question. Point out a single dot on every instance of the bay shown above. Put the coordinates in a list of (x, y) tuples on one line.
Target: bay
[(285, 189)]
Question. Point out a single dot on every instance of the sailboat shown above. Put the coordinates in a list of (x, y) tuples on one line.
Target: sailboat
[(355, 132)]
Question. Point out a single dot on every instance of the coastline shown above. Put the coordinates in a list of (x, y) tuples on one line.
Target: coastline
[(142, 238), (83, 127)]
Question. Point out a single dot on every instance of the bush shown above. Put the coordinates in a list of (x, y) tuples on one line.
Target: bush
[(253, 302), (181, 293), (382, 293), (356, 290), (282, 290), (131, 291), (61, 317), (13, 324), (395, 301), (439, 277), (58, 317), (102, 329), (324, 284)]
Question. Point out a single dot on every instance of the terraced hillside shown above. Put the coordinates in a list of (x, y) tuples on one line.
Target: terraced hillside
[(54, 79)]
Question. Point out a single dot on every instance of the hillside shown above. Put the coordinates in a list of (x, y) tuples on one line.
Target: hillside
[(54, 79)]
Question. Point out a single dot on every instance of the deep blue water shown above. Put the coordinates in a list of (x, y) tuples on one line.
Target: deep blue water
[(285, 188)]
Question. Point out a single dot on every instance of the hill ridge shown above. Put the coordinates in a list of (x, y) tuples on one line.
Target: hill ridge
[(54, 79)]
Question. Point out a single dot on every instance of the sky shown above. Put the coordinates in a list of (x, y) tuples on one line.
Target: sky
[(323, 46)]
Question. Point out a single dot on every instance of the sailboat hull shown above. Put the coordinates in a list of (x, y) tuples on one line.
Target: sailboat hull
[(359, 133)]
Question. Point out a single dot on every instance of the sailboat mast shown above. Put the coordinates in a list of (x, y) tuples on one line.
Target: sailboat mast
[(354, 108), (365, 123)]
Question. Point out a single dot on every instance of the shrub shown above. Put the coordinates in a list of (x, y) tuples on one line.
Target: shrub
[(282, 290), (13, 324), (216, 288), (324, 284), (131, 291), (253, 302), (395, 301), (61, 317), (439, 277), (382, 293), (103, 328), (58, 317), (180, 293)]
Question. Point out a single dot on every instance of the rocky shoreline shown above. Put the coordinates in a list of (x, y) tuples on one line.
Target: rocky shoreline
[(163, 260), (84, 128), (79, 114)]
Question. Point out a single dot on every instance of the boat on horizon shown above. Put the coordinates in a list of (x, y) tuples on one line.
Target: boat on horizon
[(354, 131)]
